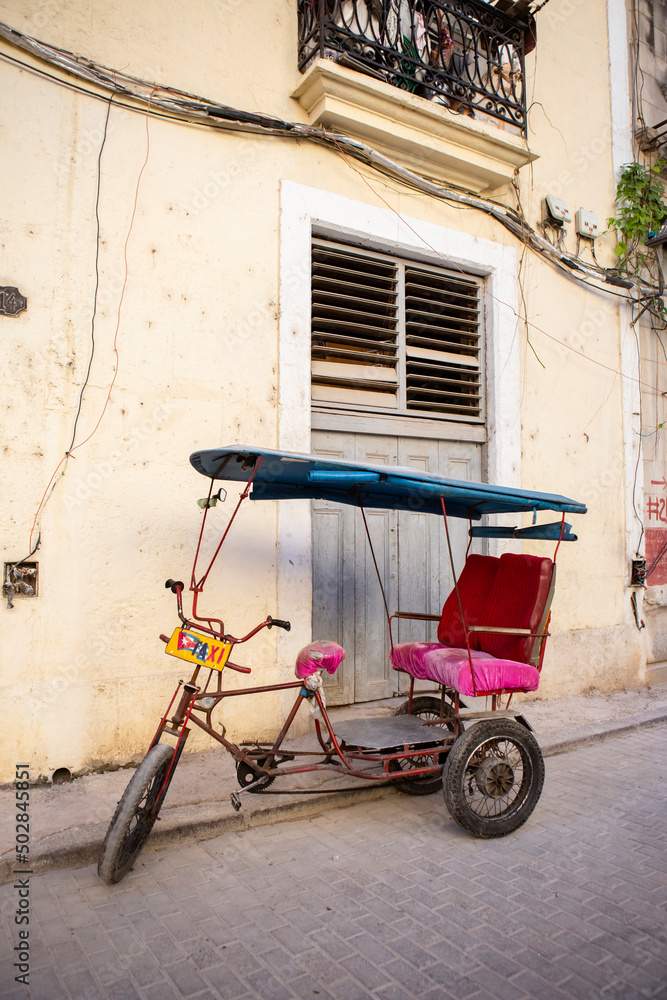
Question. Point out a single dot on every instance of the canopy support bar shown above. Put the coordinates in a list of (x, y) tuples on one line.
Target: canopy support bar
[(199, 586), (377, 571), (458, 596)]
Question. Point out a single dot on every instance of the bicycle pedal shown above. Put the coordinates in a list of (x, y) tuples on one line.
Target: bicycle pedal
[(235, 800)]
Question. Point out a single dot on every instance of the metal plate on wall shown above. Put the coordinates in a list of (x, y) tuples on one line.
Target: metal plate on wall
[(11, 301)]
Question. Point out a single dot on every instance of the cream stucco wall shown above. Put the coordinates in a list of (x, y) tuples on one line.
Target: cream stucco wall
[(202, 360)]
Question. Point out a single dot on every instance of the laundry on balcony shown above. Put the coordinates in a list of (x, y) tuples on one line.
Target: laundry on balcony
[(467, 57)]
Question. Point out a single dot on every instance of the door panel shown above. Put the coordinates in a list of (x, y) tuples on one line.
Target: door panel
[(372, 668), (412, 559), (334, 572), (425, 576), (333, 585)]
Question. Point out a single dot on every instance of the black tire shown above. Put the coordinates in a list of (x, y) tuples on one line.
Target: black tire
[(424, 707), (245, 775), (493, 778), (427, 707), (135, 815)]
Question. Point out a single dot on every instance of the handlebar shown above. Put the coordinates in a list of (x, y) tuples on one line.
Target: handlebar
[(177, 587), (239, 668), (278, 622)]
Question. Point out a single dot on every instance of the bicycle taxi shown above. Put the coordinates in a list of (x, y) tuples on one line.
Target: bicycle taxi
[(491, 634)]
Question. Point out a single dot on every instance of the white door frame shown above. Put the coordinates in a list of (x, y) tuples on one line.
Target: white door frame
[(303, 209)]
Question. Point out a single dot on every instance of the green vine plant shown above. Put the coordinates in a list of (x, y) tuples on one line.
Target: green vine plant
[(641, 210)]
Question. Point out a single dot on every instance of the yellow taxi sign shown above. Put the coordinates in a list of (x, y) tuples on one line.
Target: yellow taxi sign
[(203, 650)]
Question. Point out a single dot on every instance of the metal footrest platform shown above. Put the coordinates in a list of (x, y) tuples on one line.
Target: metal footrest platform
[(386, 733)]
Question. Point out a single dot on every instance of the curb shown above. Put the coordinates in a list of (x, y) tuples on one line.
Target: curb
[(184, 823), (203, 822), (595, 732)]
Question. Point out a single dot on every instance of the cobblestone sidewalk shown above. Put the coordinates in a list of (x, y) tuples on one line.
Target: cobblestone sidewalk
[(387, 900)]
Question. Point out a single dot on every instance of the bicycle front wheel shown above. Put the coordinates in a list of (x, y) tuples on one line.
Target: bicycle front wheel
[(135, 815)]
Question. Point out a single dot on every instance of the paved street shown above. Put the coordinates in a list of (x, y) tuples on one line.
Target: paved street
[(386, 900)]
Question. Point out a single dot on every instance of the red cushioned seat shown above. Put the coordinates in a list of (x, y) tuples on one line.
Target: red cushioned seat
[(513, 592), (430, 661), (518, 599), (475, 584)]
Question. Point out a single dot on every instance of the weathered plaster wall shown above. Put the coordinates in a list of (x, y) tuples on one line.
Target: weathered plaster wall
[(649, 21), (648, 28), (198, 360)]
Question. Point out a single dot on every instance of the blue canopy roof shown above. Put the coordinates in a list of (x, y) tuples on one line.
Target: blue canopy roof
[(282, 475)]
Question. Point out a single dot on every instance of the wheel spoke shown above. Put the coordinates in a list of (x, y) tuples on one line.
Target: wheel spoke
[(427, 708), (496, 777), (493, 777), (135, 814)]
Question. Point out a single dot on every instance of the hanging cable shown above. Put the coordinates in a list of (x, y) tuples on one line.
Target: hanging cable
[(64, 460), (190, 107), (62, 465), (97, 275), (8, 586), (183, 106)]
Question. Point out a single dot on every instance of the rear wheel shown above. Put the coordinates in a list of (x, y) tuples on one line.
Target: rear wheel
[(135, 815), (493, 778), (425, 707)]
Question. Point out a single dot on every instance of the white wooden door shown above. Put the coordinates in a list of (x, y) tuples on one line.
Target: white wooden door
[(411, 553)]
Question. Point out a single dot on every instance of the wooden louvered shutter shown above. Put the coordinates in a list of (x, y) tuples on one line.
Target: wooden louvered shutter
[(443, 372), (354, 327), (394, 335)]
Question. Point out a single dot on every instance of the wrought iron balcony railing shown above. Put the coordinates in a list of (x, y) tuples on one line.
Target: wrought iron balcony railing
[(463, 54)]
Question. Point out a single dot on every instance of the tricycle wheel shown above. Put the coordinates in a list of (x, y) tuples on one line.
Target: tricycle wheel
[(135, 815), (493, 777), (245, 775), (426, 707), (423, 784)]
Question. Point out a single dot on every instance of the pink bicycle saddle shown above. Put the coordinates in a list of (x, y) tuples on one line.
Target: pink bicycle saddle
[(319, 655)]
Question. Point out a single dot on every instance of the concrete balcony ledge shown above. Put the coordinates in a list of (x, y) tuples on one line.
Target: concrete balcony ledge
[(423, 135)]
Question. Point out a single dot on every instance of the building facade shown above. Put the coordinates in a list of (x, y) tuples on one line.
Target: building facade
[(313, 227)]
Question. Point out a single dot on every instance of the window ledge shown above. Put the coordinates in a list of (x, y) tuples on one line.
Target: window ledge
[(417, 133)]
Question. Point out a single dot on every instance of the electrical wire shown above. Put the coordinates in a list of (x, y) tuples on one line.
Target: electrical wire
[(637, 72), (97, 272), (507, 305), (180, 106), (193, 105), (525, 310), (648, 303), (183, 105), (178, 119), (62, 465), (64, 460), (639, 449), (8, 587), (124, 286)]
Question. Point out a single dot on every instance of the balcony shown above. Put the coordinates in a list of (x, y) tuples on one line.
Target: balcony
[(466, 56)]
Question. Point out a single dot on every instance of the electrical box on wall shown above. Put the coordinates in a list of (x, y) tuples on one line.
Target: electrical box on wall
[(557, 209), (587, 224), (20, 579)]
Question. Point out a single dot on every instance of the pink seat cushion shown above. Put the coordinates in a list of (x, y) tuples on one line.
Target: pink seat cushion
[(451, 667), (475, 584), (517, 600), (319, 655)]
